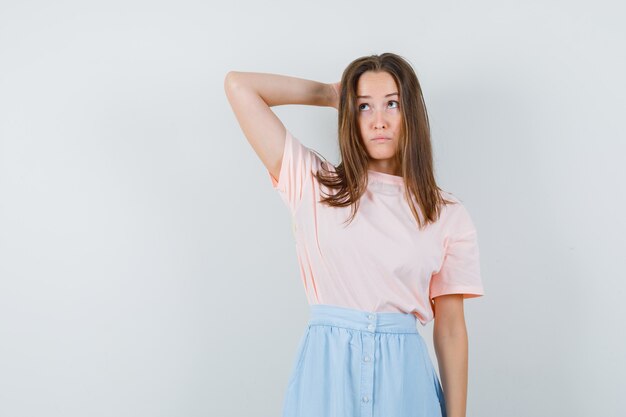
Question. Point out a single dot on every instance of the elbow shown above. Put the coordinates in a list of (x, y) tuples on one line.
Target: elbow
[(231, 79), (454, 330)]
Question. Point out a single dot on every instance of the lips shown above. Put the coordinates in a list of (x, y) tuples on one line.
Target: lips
[(381, 138)]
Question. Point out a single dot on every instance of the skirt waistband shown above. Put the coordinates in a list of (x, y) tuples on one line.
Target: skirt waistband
[(367, 321)]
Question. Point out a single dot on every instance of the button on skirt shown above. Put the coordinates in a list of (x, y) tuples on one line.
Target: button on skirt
[(354, 363)]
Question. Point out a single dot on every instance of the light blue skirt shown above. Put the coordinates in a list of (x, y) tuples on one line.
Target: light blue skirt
[(354, 363)]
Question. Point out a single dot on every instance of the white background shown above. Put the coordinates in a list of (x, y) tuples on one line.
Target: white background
[(147, 268)]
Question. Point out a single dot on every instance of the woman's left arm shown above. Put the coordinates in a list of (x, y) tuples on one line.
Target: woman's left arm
[(450, 342)]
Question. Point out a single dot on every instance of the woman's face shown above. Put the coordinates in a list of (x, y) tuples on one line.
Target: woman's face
[(379, 115)]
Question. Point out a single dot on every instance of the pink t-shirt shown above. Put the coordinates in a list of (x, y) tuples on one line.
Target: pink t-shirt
[(381, 261)]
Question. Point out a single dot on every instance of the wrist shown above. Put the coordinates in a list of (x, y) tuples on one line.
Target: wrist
[(331, 98)]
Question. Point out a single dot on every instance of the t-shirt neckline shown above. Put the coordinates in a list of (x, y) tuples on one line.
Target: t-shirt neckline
[(384, 177)]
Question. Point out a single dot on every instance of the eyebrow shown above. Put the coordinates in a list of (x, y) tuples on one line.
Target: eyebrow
[(388, 95)]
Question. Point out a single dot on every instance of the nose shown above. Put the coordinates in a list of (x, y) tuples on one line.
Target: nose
[(379, 120)]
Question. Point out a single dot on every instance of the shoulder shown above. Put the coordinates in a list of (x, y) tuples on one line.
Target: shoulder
[(455, 217), (304, 152)]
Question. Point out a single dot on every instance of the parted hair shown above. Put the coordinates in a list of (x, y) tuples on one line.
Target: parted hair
[(414, 155)]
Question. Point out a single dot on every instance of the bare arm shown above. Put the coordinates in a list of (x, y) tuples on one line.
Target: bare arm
[(251, 94), (450, 342)]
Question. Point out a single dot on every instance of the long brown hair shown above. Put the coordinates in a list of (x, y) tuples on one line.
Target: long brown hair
[(414, 154)]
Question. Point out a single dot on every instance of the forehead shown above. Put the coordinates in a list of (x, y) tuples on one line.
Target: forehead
[(376, 84)]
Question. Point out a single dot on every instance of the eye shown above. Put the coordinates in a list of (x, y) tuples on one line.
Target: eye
[(394, 101), (362, 104)]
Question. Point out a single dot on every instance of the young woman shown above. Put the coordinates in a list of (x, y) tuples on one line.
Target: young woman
[(379, 244)]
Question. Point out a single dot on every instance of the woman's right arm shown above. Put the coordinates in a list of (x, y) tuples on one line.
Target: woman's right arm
[(251, 94)]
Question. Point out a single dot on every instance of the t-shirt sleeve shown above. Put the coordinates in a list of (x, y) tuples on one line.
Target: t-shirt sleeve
[(460, 270), (296, 172)]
